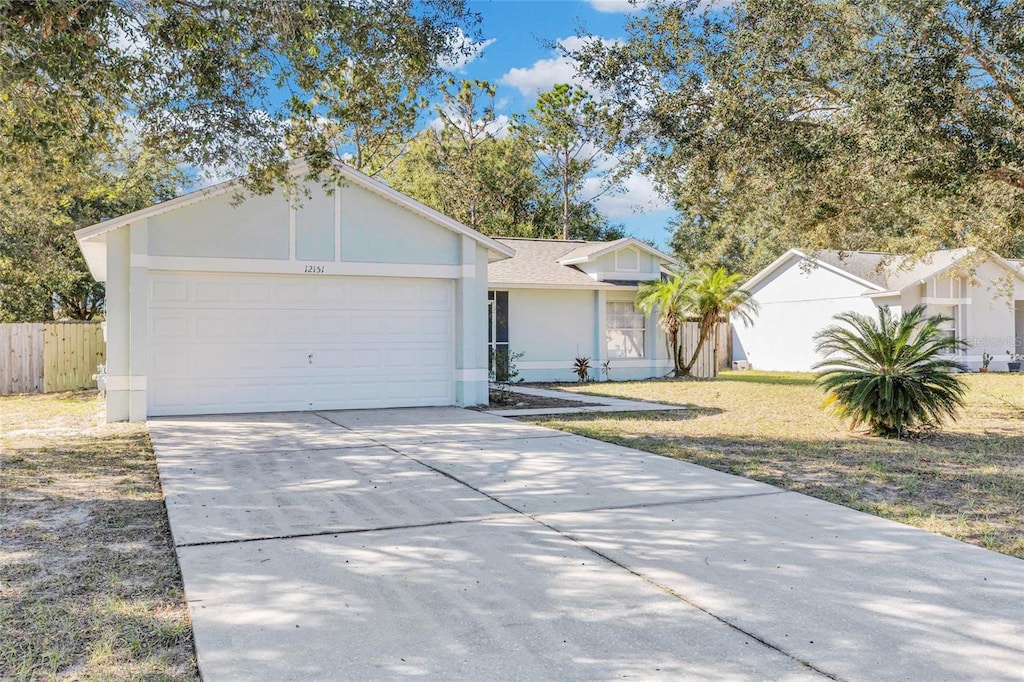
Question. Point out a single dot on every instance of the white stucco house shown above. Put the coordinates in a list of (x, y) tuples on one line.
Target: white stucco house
[(360, 297), (555, 300), (800, 293)]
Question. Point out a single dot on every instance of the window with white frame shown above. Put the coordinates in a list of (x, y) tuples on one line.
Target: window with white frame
[(625, 335)]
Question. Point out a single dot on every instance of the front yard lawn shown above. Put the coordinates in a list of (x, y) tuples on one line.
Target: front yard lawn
[(966, 481), (89, 584)]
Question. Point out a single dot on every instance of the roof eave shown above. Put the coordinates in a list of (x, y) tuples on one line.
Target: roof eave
[(615, 246), (497, 250), (578, 287), (781, 260)]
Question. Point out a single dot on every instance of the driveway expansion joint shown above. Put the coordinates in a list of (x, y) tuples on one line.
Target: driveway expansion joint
[(349, 531), (536, 518)]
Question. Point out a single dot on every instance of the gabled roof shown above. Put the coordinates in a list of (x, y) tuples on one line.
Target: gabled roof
[(96, 232), (794, 254), (588, 252), (882, 273), (540, 263)]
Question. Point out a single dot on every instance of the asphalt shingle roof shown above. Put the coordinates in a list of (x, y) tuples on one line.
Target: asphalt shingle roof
[(536, 262), (889, 271)]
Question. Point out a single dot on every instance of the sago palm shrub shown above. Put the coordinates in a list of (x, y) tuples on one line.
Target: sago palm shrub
[(894, 374)]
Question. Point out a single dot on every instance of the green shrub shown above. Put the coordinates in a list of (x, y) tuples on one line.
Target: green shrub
[(894, 374)]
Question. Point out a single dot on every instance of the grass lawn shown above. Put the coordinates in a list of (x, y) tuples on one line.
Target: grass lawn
[(966, 481), (89, 584)]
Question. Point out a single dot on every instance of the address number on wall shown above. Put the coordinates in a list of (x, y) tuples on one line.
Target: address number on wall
[(314, 269)]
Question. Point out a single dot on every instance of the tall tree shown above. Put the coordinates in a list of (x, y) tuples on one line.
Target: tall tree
[(842, 124), (204, 79), (461, 167), (562, 129), (42, 273), (492, 188), (467, 166)]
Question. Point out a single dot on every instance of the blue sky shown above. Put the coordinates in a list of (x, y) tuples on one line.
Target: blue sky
[(514, 54)]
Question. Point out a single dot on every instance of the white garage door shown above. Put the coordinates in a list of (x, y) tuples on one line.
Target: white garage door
[(256, 343)]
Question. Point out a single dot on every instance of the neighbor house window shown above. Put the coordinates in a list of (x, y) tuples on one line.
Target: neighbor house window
[(625, 331), (947, 327)]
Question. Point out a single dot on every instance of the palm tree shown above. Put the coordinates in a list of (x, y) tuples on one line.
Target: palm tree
[(894, 374), (712, 295), (704, 295), (665, 296)]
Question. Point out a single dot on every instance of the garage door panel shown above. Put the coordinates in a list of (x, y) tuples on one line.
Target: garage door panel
[(164, 292), (243, 343), (404, 358), (168, 327)]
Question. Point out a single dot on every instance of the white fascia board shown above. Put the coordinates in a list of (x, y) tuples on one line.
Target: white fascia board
[(615, 246), (992, 256), (501, 286), (100, 229), (772, 267), (797, 253)]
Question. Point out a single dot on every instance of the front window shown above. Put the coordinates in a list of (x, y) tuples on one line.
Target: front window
[(625, 335), (948, 327)]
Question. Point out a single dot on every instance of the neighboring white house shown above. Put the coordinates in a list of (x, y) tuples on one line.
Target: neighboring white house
[(557, 300), (800, 293), (357, 298)]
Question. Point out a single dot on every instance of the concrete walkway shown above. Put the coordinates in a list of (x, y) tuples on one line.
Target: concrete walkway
[(592, 403), (450, 544)]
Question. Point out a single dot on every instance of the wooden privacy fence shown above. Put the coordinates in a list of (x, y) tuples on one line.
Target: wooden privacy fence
[(715, 354), (48, 357)]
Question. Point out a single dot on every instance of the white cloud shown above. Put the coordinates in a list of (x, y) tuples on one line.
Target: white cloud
[(619, 6), (545, 73), (638, 195), (466, 51)]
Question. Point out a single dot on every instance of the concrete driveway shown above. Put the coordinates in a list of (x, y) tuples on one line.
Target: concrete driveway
[(448, 544)]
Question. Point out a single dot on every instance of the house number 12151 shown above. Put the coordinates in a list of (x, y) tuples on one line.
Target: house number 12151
[(314, 269)]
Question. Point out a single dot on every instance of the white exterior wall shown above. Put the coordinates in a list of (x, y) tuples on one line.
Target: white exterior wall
[(350, 233), (552, 327), (795, 305), (988, 322)]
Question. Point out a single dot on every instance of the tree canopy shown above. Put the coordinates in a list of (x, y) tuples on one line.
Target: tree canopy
[(103, 102), (562, 130), (840, 124), (469, 165), (239, 83)]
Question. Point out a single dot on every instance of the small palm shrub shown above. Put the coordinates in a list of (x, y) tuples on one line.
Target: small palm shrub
[(581, 368), (893, 374)]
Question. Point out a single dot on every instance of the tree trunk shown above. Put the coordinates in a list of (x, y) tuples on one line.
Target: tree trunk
[(565, 207)]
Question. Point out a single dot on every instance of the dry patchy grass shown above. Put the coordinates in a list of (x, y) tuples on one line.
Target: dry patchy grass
[(966, 481), (89, 585)]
